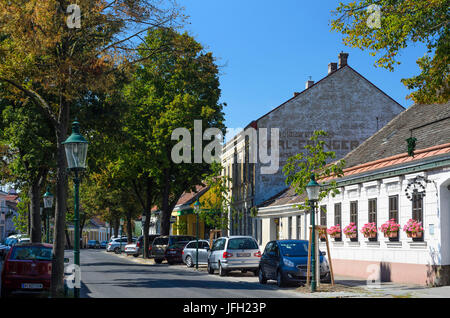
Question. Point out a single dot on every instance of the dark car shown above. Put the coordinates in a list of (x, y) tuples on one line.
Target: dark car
[(93, 244), (140, 243), (27, 268), (286, 261), (174, 252), (103, 244), (161, 243)]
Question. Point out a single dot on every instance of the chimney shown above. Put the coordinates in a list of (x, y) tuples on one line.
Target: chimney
[(296, 94), (309, 84), (342, 59), (332, 67)]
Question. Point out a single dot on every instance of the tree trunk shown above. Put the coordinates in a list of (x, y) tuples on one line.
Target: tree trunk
[(34, 194), (29, 221), (57, 281), (148, 213), (68, 244), (129, 228), (116, 227)]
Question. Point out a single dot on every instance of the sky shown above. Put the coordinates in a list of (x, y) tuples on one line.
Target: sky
[(267, 50)]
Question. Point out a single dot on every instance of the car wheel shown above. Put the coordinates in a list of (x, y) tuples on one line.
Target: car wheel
[(280, 279), (256, 272), (210, 269), (117, 250), (135, 255), (262, 277), (222, 272), (189, 262), (158, 260)]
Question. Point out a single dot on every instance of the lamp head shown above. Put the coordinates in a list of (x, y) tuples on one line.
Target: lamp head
[(313, 189), (76, 148)]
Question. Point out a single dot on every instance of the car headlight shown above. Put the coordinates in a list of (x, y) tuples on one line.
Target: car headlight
[(288, 263)]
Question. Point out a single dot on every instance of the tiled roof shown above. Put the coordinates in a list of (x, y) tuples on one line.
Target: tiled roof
[(429, 124), (287, 196), (434, 151), (189, 197)]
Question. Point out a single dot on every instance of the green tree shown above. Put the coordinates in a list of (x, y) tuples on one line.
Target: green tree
[(56, 66), (299, 168), (402, 23), (169, 91)]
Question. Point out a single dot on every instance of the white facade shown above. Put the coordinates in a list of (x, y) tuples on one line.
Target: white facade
[(405, 260)]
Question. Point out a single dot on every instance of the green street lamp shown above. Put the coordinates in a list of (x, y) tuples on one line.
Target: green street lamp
[(197, 211), (121, 234), (48, 204), (313, 190), (143, 218), (76, 151)]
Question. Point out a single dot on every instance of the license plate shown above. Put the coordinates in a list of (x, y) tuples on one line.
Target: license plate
[(243, 254), (172, 252), (32, 286)]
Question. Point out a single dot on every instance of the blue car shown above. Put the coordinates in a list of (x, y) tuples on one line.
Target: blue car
[(103, 244), (286, 262)]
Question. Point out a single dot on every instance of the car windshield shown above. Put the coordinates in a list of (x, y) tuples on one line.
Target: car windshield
[(39, 253), (294, 249), (242, 244)]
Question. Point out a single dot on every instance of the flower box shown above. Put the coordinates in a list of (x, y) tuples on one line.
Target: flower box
[(413, 229), (351, 235), (369, 230), (393, 234)]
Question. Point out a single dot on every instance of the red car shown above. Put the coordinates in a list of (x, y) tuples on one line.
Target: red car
[(174, 252), (27, 268)]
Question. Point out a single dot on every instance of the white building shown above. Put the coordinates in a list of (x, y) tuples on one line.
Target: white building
[(382, 181), (344, 104)]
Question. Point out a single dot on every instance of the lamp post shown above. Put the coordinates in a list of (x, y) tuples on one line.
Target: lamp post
[(143, 218), (313, 189), (76, 151), (121, 234), (197, 211), (48, 204)]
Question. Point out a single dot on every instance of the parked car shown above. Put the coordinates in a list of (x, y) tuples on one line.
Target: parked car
[(93, 244), (136, 249), (11, 241), (103, 244), (174, 252), (286, 261), (189, 254), (117, 245), (27, 268), (161, 243), (234, 253)]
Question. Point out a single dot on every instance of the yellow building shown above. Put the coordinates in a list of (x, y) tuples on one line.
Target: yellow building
[(185, 219)]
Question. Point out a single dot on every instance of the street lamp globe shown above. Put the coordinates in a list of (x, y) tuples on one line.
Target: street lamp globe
[(48, 199), (197, 206), (76, 149), (313, 189)]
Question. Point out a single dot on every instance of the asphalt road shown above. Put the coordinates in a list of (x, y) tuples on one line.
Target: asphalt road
[(106, 275)]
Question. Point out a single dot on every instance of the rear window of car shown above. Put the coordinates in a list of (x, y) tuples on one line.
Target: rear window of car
[(161, 241), (175, 239), (178, 245), (31, 253), (242, 244)]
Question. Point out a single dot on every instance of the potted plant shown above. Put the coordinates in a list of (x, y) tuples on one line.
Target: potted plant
[(413, 229), (350, 230), (369, 230), (390, 229), (322, 233), (335, 231)]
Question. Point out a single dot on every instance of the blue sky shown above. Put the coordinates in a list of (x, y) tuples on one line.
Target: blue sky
[(268, 49)]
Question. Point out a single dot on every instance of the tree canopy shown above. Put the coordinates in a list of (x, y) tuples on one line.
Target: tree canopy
[(402, 23)]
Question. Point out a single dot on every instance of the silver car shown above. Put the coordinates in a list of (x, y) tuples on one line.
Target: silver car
[(189, 255), (117, 245), (234, 253)]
